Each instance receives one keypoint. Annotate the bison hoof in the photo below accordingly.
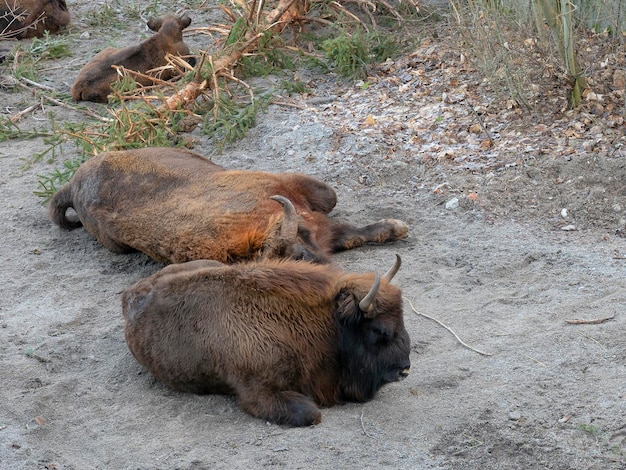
(399, 229)
(303, 413)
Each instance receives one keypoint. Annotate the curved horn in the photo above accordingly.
(366, 303)
(289, 227)
(393, 270)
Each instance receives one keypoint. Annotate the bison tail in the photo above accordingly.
(60, 203)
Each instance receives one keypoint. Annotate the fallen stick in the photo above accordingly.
(365, 433)
(447, 328)
(589, 322)
(37, 85)
(58, 102)
(18, 116)
(73, 108)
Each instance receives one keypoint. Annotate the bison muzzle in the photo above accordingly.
(284, 336)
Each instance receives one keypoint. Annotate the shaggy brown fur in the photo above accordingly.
(30, 18)
(284, 336)
(177, 206)
(94, 80)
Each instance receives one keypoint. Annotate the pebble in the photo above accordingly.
(564, 213)
(515, 415)
(452, 203)
(568, 228)
(85, 35)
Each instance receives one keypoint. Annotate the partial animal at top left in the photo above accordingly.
(95, 78)
(23, 19)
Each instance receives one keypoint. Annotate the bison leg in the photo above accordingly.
(346, 236)
(286, 407)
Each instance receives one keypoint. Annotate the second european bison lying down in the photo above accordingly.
(94, 80)
(176, 206)
(23, 19)
(283, 336)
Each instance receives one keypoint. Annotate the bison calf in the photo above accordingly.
(176, 206)
(94, 80)
(284, 336)
(30, 18)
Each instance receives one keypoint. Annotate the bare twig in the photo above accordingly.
(589, 322)
(287, 104)
(37, 85)
(88, 112)
(592, 339)
(447, 328)
(365, 433)
(18, 116)
(534, 360)
(122, 71)
(17, 22)
(482, 124)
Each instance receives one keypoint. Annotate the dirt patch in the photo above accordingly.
(487, 255)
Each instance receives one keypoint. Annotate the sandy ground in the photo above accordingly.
(503, 276)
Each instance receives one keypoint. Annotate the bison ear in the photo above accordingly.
(155, 24)
(184, 21)
(348, 311)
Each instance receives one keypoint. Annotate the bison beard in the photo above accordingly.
(284, 336)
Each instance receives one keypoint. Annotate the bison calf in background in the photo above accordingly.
(94, 80)
(283, 336)
(30, 18)
(176, 206)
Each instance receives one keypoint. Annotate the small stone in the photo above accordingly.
(85, 35)
(515, 415)
(564, 213)
(452, 203)
(568, 228)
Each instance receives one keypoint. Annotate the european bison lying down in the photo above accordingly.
(94, 80)
(284, 336)
(30, 18)
(176, 206)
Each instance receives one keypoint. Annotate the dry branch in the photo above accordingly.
(447, 328)
(193, 90)
(18, 116)
(589, 322)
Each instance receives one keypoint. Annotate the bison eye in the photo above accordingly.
(380, 335)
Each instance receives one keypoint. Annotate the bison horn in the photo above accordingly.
(393, 270)
(366, 303)
(289, 227)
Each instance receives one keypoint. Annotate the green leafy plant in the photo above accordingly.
(50, 183)
(228, 121)
(348, 53)
(294, 86)
(351, 53)
(26, 58)
(105, 15)
(589, 429)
